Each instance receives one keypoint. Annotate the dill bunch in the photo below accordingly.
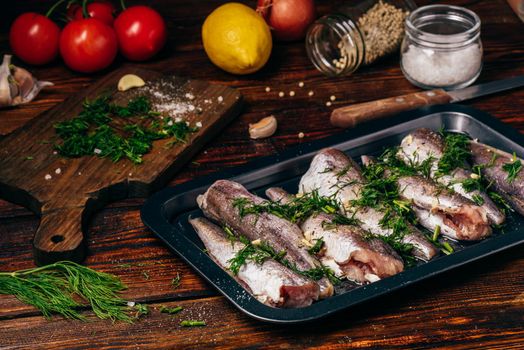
(64, 287)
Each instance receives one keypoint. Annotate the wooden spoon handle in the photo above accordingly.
(350, 116)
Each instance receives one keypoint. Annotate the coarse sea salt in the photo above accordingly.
(439, 68)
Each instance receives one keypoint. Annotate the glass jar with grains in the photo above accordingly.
(442, 47)
(359, 33)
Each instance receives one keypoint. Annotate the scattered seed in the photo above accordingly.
(328, 103)
(191, 107)
(47, 177)
(220, 99)
(333, 98)
(301, 135)
(281, 94)
(58, 171)
(190, 96)
(310, 93)
(97, 151)
(198, 124)
(268, 89)
(301, 84)
(292, 93)
(130, 303)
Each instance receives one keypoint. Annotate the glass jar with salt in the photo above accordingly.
(442, 47)
(360, 33)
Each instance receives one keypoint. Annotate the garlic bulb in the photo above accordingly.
(17, 85)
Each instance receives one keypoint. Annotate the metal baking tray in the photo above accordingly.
(166, 212)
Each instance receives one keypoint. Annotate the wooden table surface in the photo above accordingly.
(477, 306)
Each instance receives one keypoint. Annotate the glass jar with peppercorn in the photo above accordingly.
(358, 34)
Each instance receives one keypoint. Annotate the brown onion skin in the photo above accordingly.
(288, 19)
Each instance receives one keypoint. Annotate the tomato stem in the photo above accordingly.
(123, 4)
(50, 11)
(84, 9)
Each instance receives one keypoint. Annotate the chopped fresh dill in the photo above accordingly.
(175, 282)
(141, 310)
(436, 233)
(317, 247)
(262, 251)
(456, 153)
(477, 199)
(512, 168)
(106, 130)
(192, 323)
(299, 208)
(500, 201)
(170, 310)
(230, 234)
(446, 248)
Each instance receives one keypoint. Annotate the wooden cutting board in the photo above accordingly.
(83, 185)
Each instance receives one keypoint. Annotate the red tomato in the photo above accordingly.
(88, 45)
(102, 11)
(141, 32)
(34, 38)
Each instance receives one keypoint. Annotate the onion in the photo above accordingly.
(288, 19)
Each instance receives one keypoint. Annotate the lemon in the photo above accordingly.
(236, 39)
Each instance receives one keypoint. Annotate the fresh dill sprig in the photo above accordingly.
(56, 288)
(92, 131)
(512, 168)
(456, 153)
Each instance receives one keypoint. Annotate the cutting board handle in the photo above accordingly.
(59, 236)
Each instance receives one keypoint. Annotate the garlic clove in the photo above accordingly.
(17, 85)
(265, 127)
(5, 89)
(130, 81)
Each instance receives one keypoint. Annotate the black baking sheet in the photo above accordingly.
(166, 212)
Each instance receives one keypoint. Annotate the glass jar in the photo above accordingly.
(442, 47)
(359, 33)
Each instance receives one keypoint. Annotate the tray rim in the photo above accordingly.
(154, 216)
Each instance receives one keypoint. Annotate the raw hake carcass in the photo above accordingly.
(492, 161)
(270, 282)
(424, 145)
